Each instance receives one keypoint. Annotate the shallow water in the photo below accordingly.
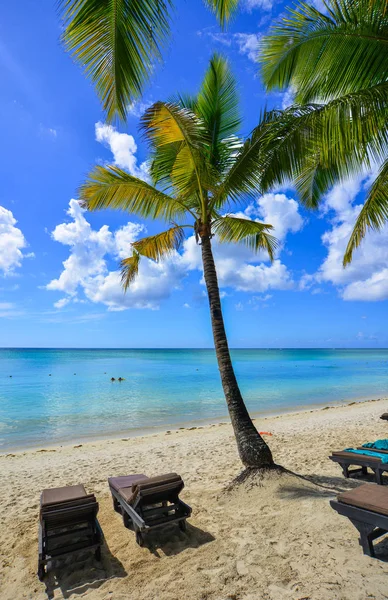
(55, 396)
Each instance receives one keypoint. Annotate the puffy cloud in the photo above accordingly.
(248, 44)
(138, 108)
(237, 266)
(263, 4)
(12, 242)
(123, 148)
(366, 278)
(86, 270)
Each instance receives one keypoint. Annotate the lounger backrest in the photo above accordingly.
(73, 511)
(158, 489)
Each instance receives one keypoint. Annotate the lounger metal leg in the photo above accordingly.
(345, 470)
(41, 567)
(365, 530)
(116, 505)
(378, 477)
(364, 470)
(126, 519)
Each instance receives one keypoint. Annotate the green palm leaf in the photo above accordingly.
(326, 56)
(111, 187)
(166, 124)
(217, 104)
(254, 234)
(317, 145)
(162, 244)
(246, 172)
(373, 215)
(223, 9)
(116, 42)
(129, 269)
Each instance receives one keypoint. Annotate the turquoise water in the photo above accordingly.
(165, 388)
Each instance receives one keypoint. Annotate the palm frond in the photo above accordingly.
(217, 105)
(315, 145)
(162, 244)
(223, 9)
(129, 269)
(245, 175)
(166, 124)
(111, 187)
(373, 215)
(325, 56)
(116, 42)
(254, 234)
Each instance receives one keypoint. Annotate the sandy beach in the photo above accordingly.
(272, 540)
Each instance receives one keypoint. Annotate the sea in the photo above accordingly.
(57, 396)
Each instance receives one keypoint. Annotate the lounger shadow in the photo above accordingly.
(83, 575)
(147, 503)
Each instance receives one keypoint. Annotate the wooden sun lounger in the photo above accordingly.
(149, 502)
(347, 459)
(367, 508)
(67, 524)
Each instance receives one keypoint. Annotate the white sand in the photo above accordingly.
(272, 541)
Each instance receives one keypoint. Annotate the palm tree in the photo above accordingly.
(337, 64)
(199, 168)
(117, 43)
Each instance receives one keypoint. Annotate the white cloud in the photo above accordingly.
(138, 108)
(263, 4)
(123, 148)
(241, 269)
(12, 242)
(248, 44)
(86, 270)
(288, 97)
(366, 278)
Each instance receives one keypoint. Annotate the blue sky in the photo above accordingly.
(59, 281)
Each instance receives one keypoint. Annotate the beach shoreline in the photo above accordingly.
(182, 425)
(275, 540)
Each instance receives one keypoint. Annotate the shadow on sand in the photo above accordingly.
(171, 541)
(77, 574)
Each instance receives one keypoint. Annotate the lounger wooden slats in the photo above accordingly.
(146, 503)
(68, 524)
(367, 509)
(363, 462)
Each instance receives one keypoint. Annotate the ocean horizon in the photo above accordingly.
(50, 396)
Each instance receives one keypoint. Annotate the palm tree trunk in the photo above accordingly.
(253, 450)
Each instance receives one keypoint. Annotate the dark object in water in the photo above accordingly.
(112, 379)
(384, 416)
(49, 374)
(121, 379)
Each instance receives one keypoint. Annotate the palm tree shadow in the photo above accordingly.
(82, 572)
(171, 541)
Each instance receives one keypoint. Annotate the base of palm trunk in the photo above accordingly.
(253, 450)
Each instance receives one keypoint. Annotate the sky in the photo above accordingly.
(59, 265)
